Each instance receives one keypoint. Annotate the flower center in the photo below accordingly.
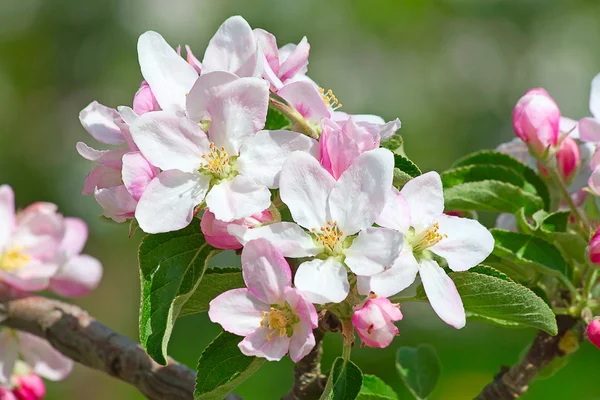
(426, 238)
(329, 236)
(330, 99)
(13, 259)
(218, 162)
(278, 321)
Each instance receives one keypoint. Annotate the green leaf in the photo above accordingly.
(395, 144)
(171, 267)
(556, 222)
(216, 280)
(373, 388)
(419, 368)
(400, 178)
(490, 271)
(344, 382)
(501, 302)
(488, 157)
(276, 120)
(407, 166)
(477, 173)
(528, 252)
(222, 367)
(554, 229)
(493, 196)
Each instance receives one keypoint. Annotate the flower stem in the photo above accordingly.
(584, 224)
(295, 116)
(348, 336)
(591, 278)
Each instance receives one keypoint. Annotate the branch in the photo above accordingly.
(80, 337)
(514, 382)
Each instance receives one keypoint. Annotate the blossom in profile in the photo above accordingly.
(274, 318)
(374, 321)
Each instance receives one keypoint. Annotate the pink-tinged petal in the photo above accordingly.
(137, 173)
(594, 159)
(442, 294)
(169, 75)
(322, 281)
(304, 187)
(43, 358)
(589, 130)
(9, 348)
(144, 100)
(169, 200)
(374, 322)
(101, 177)
(169, 141)
(6, 394)
(216, 233)
(594, 181)
(360, 194)
(396, 212)
(303, 308)
(32, 277)
(595, 97)
(374, 250)
(79, 276)
(111, 158)
(237, 198)
(237, 311)
(268, 44)
(7, 214)
(425, 199)
(306, 99)
(99, 121)
(116, 202)
(128, 116)
(536, 120)
(262, 155)
(272, 347)
(233, 48)
(204, 90)
(238, 111)
(394, 280)
(377, 127)
(296, 62)
(466, 242)
(266, 273)
(288, 237)
(302, 341)
(271, 77)
(570, 126)
(39, 231)
(76, 234)
(192, 60)
(337, 150)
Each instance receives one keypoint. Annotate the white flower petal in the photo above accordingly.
(425, 198)
(263, 343)
(570, 126)
(7, 214)
(237, 198)
(169, 141)
(99, 121)
(396, 212)
(169, 200)
(9, 349)
(262, 155)
(467, 243)
(288, 237)
(360, 194)
(44, 359)
(304, 186)
(374, 250)
(589, 130)
(394, 280)
(322, 281)
(442, 294)
(204, 90)
(595, 97)
(170, 77)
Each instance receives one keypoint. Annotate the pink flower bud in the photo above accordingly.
(144, 100)
(593, 332)
(568, 158)
(216, 234)
(6, 394)
(593, 248)
(374, 322)
(29, 387)
(536, 120)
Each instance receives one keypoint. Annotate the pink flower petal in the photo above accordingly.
(237, 311)
(116, 202)
(289, 238)
(257, 344)
(76, 234)
(266, 272)
(77, 277)
(137, 173)
(306, 99)
(7, 214)
(204, 90)
(43, 358)
(99, 121)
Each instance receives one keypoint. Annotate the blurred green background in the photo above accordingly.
(451, 70)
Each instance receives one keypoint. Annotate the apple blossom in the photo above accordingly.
(29, 387)
(285, 64)
(274, 317)
(374, 321)
(37, 353)
(418, 212)
(536, 120)
(232, 168)
(593, 332)
(332, 212)
(216, 233)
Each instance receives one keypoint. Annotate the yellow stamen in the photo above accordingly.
(13, 259)
(330, 99)
(217, 161)
(329, 236)
(275, 320)
(427, 238)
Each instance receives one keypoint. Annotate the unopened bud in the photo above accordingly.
(29, 387)
(216, 233)
(536, 120)
(593, 248)
(593, 332)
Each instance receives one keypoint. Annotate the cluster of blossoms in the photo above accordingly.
(39, 250)
(194, 144)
